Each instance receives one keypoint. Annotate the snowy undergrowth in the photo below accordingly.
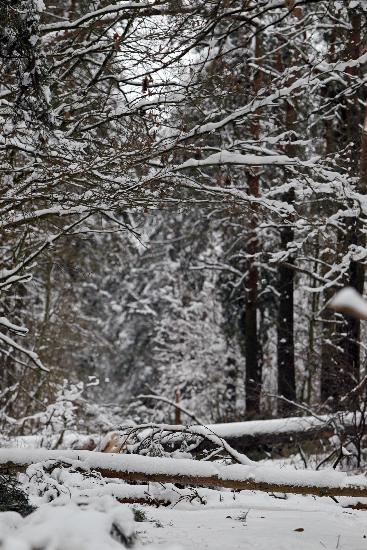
(67, 516)
(77, 509)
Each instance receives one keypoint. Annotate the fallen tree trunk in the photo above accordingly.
(194, 473)
(233, 437)
(248, 436)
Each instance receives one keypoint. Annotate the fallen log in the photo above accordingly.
(234, 437)
(248, 436)
(135, 468)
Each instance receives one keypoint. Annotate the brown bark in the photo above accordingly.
(177, 410)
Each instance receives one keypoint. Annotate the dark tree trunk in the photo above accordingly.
(285, 325)
(286, 371)
(351, 371)
(231, 390)
(342, 371)
(285, 346)
(253, 367)
(332, 359)
(330, 353)
(351, 374)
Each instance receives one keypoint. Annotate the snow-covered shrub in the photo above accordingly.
(74, 512)
(59, 416)
(73, 419)
(101, 524)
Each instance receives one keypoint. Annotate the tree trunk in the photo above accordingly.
(354, 228)
(285, 346)
(152, 470)
(230, 393)
(285, 326)
(253, 368)
(286, 371)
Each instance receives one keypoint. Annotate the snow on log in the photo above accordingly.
(244, 436)
(241, 436)
(192, 472)
(349, 301)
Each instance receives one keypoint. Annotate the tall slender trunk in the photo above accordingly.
(341, 369)
(286, 277)
(285, 344)
(351, 375)
(312, 358)
(253, 366)
(351, 371)
(332, 356)
(286, 370)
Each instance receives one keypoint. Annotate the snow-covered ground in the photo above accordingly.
(257, 521)
(78, 509)
(246, 520)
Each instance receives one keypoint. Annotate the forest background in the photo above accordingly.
(183, 189)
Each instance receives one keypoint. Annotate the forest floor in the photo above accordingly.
(256, 521)
(78, 513)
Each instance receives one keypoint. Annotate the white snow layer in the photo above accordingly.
(348, 300)
(277, 425)
(68, 527)
(256, 521)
